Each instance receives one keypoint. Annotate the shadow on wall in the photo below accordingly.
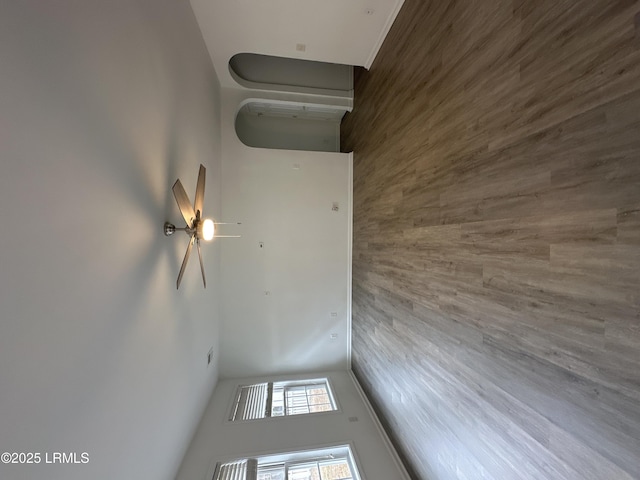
(291, 74)
(289, 125)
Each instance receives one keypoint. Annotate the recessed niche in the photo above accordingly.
(289, 125)
(291, 74)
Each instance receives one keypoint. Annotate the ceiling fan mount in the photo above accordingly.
(169, 228)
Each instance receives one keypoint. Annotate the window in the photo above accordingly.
(337, 469)
(280, 399)
(326, 464)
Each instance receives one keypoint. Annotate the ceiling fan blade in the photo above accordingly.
(183, 203)
(204, 280)
(199, 201)
(186, 259)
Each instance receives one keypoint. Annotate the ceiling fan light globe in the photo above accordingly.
(208, 229)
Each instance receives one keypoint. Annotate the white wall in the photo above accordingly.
(334, 31)
(102, 106)
(217, 439)
(283, 198)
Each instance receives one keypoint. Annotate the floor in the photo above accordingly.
(496, 254)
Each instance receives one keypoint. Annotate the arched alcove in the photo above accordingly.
(289, 125)
(291, 74)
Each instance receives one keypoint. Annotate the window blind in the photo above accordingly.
(240, 470)
(253, 402)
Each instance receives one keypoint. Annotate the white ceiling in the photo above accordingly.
(337, 31)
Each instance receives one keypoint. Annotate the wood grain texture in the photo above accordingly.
(496, 252)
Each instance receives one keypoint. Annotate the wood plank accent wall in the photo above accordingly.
(496, 258)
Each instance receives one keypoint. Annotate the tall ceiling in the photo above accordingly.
(330, 30)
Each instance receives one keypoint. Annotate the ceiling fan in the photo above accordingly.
(198, 228)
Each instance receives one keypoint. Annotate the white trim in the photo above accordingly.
(330, 106)
(349, 254)
(383, 434)
(383, 34)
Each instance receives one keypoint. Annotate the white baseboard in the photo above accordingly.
(383, 34)
(349, 256)
(381, 430)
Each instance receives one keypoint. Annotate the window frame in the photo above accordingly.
(320, 381)
(287, 460)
